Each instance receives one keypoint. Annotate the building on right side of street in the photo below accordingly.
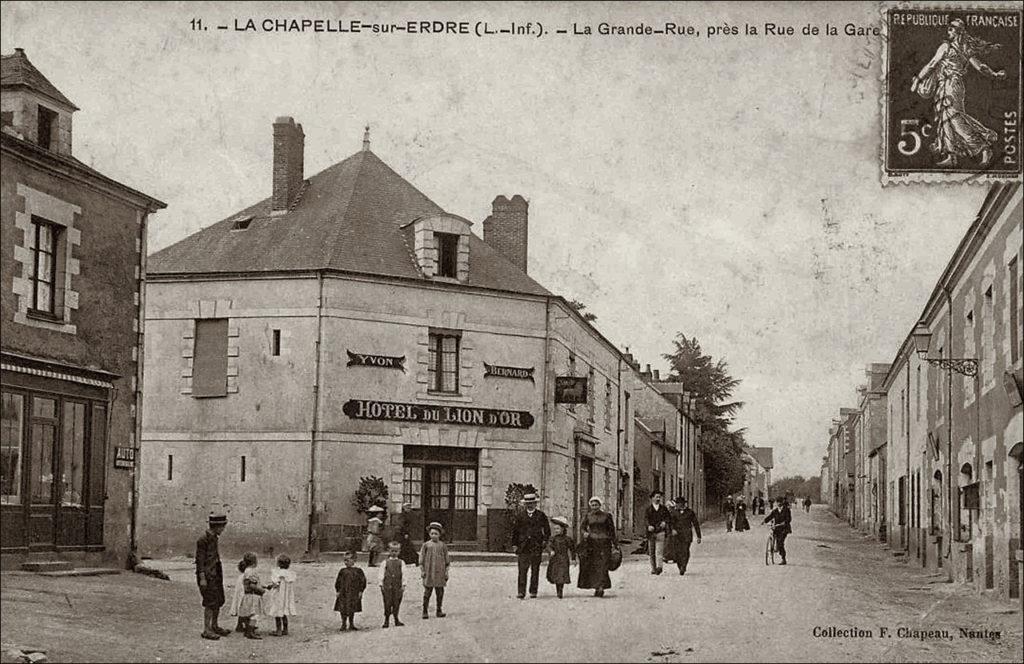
(944, 472)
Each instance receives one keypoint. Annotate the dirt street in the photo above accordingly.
(728, 607)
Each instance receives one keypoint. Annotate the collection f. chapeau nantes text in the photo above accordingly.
(530, 28)
(915, 633)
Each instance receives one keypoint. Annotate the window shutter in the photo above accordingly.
(210, 359)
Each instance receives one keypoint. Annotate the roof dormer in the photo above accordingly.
(440, 243)
(33, 108)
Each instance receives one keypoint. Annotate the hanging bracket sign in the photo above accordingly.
(364, 409)
(570, 389)
(522, 373)
(383, 361)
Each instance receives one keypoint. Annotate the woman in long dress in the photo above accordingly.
(741, 516)
(596, 548)
(957, 134)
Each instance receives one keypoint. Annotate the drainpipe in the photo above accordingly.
(544, 400)
(313, 540)
(949, 430)
(906, 435)
(618, 444)
(140, 345)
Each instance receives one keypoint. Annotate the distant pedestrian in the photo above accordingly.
(658, 519)
(781, 520)
(251, 605)
(210, 576)
(391, 579)
(280, 600)
(741, 516)
(434, 564)
(759, 505)
(374, 527)
(729, 509)
(349, 587)
(530, 536)
(807, 504)
(595, 550)
(684, 525)
(403, 532)
(563, 552)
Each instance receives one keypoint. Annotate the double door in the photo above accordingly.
(441, 484)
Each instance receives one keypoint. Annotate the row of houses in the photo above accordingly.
(928, 459)
(344, 327)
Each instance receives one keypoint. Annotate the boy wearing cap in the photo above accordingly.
(210, 577)
(529, 538)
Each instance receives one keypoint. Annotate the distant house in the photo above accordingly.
(73, 247)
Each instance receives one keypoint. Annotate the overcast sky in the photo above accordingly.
(725, 188)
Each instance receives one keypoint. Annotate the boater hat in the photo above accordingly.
(434, 525)
(218, 520)
(375, 508)
(560, 520)
(530, 498)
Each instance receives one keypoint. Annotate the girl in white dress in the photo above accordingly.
(280, 599)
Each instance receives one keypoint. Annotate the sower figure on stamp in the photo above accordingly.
(210, 577)
(530, 538)
(957, 134)
(684, 525)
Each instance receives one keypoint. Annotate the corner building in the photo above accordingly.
(347, 326)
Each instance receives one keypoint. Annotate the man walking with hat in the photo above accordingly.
(529, 538)
(658, 519)
(210, 577)
(684, 525)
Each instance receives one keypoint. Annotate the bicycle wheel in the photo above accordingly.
(769, 550)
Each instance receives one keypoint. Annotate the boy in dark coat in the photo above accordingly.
(349, 585)
(210, 577)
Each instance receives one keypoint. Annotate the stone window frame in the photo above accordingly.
(427, 250)
(201, 309)
(455, 322)
(39, 204)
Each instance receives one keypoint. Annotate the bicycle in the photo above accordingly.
(769, 547)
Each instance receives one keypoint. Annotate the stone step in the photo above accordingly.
(46, 566)
(83, 571)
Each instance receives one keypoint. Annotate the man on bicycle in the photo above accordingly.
(780, 518)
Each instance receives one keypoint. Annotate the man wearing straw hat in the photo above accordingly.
(210, 577)
(529, 538)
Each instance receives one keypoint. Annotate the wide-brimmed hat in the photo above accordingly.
(680, 500)
(218, 520)
(375, 508)
(593, 498)
(530, 498)
(434, 525)
(560, 520)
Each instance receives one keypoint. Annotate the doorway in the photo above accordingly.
(441, 483)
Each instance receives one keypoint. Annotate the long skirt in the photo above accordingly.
(594, 554)
(408, 552)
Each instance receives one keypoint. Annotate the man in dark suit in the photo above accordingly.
(210, 577)
(530, 537)
(658, 519)
(684, 525)
(781, 519)
(729, 509)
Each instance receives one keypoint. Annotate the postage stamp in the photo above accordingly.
(951, 88)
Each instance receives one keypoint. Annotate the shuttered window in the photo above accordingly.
(210, 358)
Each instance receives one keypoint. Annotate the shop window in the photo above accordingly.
(447, 255)
(210, 358)
(45, 261)
(412, 485)
(440, 489)
(12, 427)
(72, 466)
(98, 456)
(443, 367)
(465, 488)
(44, 437)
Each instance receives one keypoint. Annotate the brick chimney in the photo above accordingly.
(289, 145)
(505, 230)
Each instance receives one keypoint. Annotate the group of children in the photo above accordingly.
(434, 565)
(252, 599)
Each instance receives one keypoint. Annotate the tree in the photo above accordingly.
(712, 387)
(798, 486)
(582, 309)
(372, 491)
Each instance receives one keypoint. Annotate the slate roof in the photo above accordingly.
(348, 217)
(763, 456)
(17, 71)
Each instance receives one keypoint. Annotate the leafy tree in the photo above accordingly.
(372, 491)
(798, 486)
(582, 309)
(712, 385)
